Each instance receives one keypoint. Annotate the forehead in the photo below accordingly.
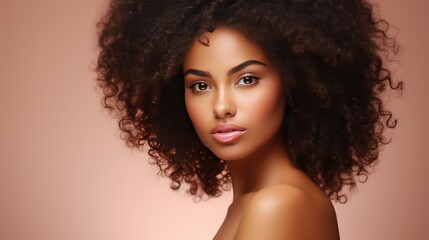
(227, 47)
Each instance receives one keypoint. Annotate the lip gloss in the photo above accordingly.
(227, 137)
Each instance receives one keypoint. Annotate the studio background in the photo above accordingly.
(66, 175)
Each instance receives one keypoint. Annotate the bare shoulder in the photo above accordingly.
(286, 211)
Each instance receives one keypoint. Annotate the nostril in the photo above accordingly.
(224, 111)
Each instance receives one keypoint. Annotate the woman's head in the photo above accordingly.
(234, 95)
(324, 57)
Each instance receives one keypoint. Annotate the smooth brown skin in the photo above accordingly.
(272, 199)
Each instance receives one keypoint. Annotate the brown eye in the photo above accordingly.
(247, 80)
(200, 86)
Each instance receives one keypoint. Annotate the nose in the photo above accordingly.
(224, 106)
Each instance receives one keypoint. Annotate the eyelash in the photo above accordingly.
(203, 84)
(196, 84)
(253, 78)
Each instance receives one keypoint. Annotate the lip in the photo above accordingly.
(227, 133)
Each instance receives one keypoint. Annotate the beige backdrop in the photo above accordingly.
(66, 175)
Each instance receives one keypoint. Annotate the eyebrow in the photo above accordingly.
(231, 71)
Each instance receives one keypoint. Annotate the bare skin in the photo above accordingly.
(284, 204)
(232, 83)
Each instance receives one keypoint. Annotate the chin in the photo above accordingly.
(230, 154)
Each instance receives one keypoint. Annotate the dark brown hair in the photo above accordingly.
(330, 53)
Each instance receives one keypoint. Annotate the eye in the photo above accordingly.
(199, 87)
(247, 80)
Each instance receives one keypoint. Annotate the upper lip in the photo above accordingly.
(227, 127)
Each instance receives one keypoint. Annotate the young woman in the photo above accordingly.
(280, 98)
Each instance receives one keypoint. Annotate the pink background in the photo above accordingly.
(65, 174)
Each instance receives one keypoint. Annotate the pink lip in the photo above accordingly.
(226, 133)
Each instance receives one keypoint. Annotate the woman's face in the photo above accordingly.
(233, 94)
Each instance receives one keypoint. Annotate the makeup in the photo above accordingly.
(233, 95)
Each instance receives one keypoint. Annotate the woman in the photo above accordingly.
(280, 98)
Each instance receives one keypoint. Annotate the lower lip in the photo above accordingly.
(227, 137)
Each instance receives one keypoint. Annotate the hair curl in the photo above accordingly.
(331, 53)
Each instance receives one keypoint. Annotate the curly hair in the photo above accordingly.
(333, 53)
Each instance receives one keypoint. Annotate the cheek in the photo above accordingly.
(266, 107)
(196, 111)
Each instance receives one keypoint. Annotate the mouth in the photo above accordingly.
(227, 133)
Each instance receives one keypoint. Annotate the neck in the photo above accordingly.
(260, 170)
